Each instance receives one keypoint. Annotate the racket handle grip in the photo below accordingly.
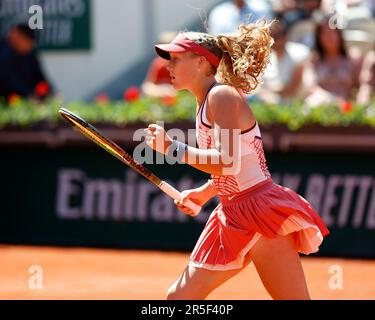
(176, 195)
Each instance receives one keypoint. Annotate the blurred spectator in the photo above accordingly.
(367, 79)
(293, 11)
(351, 15)
(348, 9)
(371, 5)
(227, 16)
(20, 71)
(158, 82)
(283, 77)
(333, 74)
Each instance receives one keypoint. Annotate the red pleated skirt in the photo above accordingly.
(266, 209)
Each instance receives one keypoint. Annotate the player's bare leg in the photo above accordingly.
(279, 267)
(198, 283)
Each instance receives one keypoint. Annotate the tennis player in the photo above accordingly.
(257, 220)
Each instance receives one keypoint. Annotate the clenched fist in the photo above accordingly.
(157, 138)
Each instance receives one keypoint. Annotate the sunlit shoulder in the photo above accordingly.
(222, 97)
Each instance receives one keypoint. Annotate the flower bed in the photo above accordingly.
(23, 113)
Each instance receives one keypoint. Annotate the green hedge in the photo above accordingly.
(21, 113)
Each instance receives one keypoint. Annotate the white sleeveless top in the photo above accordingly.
(253, 163)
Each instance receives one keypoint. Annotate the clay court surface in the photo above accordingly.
(82, 273)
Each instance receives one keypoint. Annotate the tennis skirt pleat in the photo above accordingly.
(266, 209)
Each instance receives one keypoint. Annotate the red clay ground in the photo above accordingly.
(81, 273)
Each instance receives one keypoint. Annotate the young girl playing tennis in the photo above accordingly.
(257, 220)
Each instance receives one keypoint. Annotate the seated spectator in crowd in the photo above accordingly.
(366, 90)
(227, 16)
(333, 74)
(293, 11)
(158, 82)
(283, 77)
(20, 71)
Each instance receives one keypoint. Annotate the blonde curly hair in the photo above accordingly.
(244, 54)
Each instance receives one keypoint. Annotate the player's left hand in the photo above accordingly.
(157, 138)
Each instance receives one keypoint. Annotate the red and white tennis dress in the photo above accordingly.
(251, 206)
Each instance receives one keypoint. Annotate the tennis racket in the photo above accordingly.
(95, 135)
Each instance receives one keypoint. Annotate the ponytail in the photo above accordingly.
(245, 55)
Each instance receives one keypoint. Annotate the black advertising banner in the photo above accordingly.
(84, 196)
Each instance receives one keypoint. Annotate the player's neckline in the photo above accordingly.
(205, 96)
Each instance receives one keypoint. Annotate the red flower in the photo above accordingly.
(169, 100)
(345, 106)
(41, 89)
(102, 99)
(131, 94)
(14, 99)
